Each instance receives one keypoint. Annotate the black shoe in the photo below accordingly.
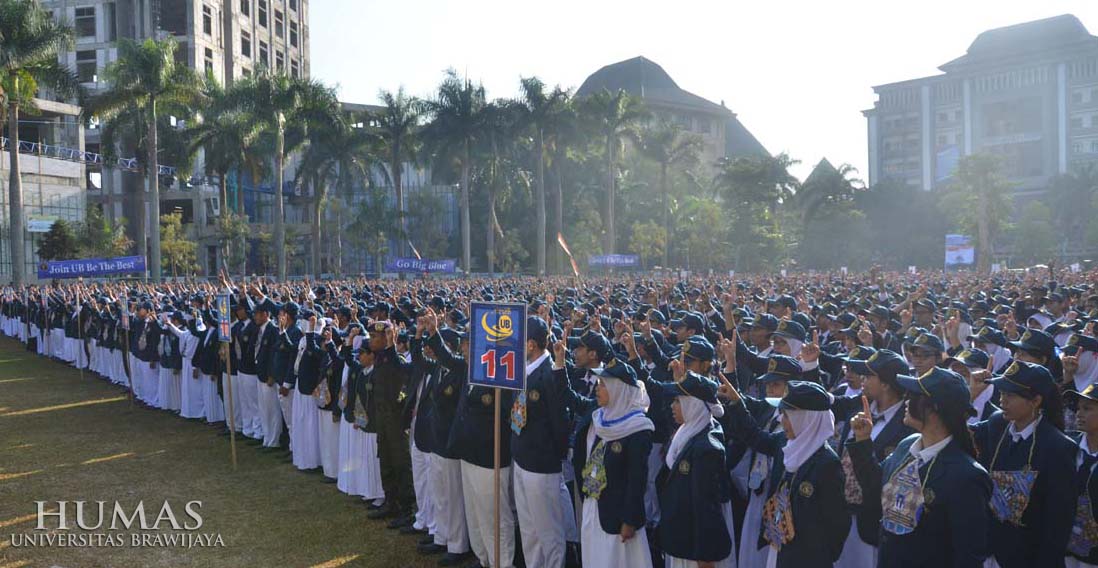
(383, 512)
(400, 522)
(431, 548)
(451, 559)
(426, 540)
(374, 506)
(411, 529)
(330, 480)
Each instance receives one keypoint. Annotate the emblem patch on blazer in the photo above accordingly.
(448, 391)
(486, 399)
(535, 396)
(928, 495)
(684, 467)
(806, 489)
(615, 447)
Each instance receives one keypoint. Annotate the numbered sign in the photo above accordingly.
(223, 326)
(497, 345)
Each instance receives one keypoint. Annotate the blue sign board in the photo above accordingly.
(90, 267)
(421, 265)
(223, 325)
(614, 260)
(497, 345)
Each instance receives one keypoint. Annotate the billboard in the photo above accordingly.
(959, 251)
(614, 260)
(91, 267)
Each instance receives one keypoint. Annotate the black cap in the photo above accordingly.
(972, 358)
(791, 329)
(698, 347)
(1025, 379)
(782, 368)
(765, 321)
(887, 365)
(1089, 393)
(536, 329)
(1035, 341)
(617, 370)
(695, 385)
(944, 387)
(803, 395)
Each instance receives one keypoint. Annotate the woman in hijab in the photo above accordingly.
(612, 455)
(694, 486)
(1080, 362)
(1032, 467)
(804, 519)
(1083, 545)
(934, 511)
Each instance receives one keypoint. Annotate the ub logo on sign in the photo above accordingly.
(502, 329)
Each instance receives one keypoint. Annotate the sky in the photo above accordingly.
(797, 73)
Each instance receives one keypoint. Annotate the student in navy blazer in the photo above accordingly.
(1083, 545)
(951, 526)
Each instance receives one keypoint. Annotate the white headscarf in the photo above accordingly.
(999, 355)
(794, 347)
(625, 413)
(812, 429)
(696, 416)
(1087, 373)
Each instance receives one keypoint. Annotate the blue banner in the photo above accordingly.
(497, 345)
(224, 328)
(421, 265)
(90, 267)
(614, 260)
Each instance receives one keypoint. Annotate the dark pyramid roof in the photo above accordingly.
(1057, 32)
(644, 78)
(822, 168)
(738, 141)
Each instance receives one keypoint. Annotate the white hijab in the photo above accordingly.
(696, 415)
(999, 355)
(1087, 373)
(794, 347)
(812, 428)
(625, 413)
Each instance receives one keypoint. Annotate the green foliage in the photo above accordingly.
(99, 238)
(59, 243)
(979, 202)
(649, 241)
(30, 41)
(425, 213)
(1035, 235)
(375, 222)
(510, 253)
(177, 249)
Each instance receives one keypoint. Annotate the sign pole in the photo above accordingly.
(229, 389)
(495, 485)
(126, 358)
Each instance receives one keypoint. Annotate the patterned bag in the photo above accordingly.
(902, 500)
(594, 474)
(518, 413)
(852, 490)
(778, 518)
(760, 470)
(1011, 493)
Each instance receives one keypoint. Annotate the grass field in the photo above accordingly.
(67, 438)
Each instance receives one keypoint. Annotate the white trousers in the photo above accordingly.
(1070, 562)
(543, 513)
(478, 491)
(304, 437)
(238, 420)
(421, 480)
(270, 414)
(856, 553)
(246, 397)
(215, 412)
(329, 443)
(449, 505)
(651, 499)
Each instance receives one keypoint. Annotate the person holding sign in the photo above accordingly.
(1032, 466)
(934, 511)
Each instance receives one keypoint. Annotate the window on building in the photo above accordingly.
(246, 7)
(245, 43)
(1093, 95)
(262, 13)
(1077, 122)
(1076, 148)
(244, 71)
(207, 20)
(112, 21)
(293, 5)
(1094, 146)
(280, 62)
(86, 66)
(293, 34)
(280, 24)
(209, 59)
(942, 140)
(85, 22)
(295, 71)
(1076, 97)
(264, 54)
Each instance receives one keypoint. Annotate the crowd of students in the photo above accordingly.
(878, 419)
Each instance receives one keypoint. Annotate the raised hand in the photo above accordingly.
(862, 425)
(678, 370)
(726, 391)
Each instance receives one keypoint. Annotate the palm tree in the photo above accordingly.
(615, 115)
(283, 107)
(30, 41)
(538, 109)
(499, 121)
(826, 184)
(563, 136)
(397, 125)
(342, 150)
(666, 144)
(456, 116)
(144, 76)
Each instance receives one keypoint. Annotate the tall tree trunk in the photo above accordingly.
(490, 238)
(339, 241)
(541, 202)
(983, 232)
(466, 244)
(609, 195)
(279, 219)
(243, 240)
(559, 228)
(398, 178)
(318, 191)
(15, 193)
(223, 219)
(154, 193)
(666, 215)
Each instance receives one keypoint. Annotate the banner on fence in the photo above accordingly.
(614, 260)
(421, 265)
(91, 267)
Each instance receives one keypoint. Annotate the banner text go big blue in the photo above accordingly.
(497, 345)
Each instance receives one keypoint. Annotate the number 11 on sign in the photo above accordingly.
(507, 361)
